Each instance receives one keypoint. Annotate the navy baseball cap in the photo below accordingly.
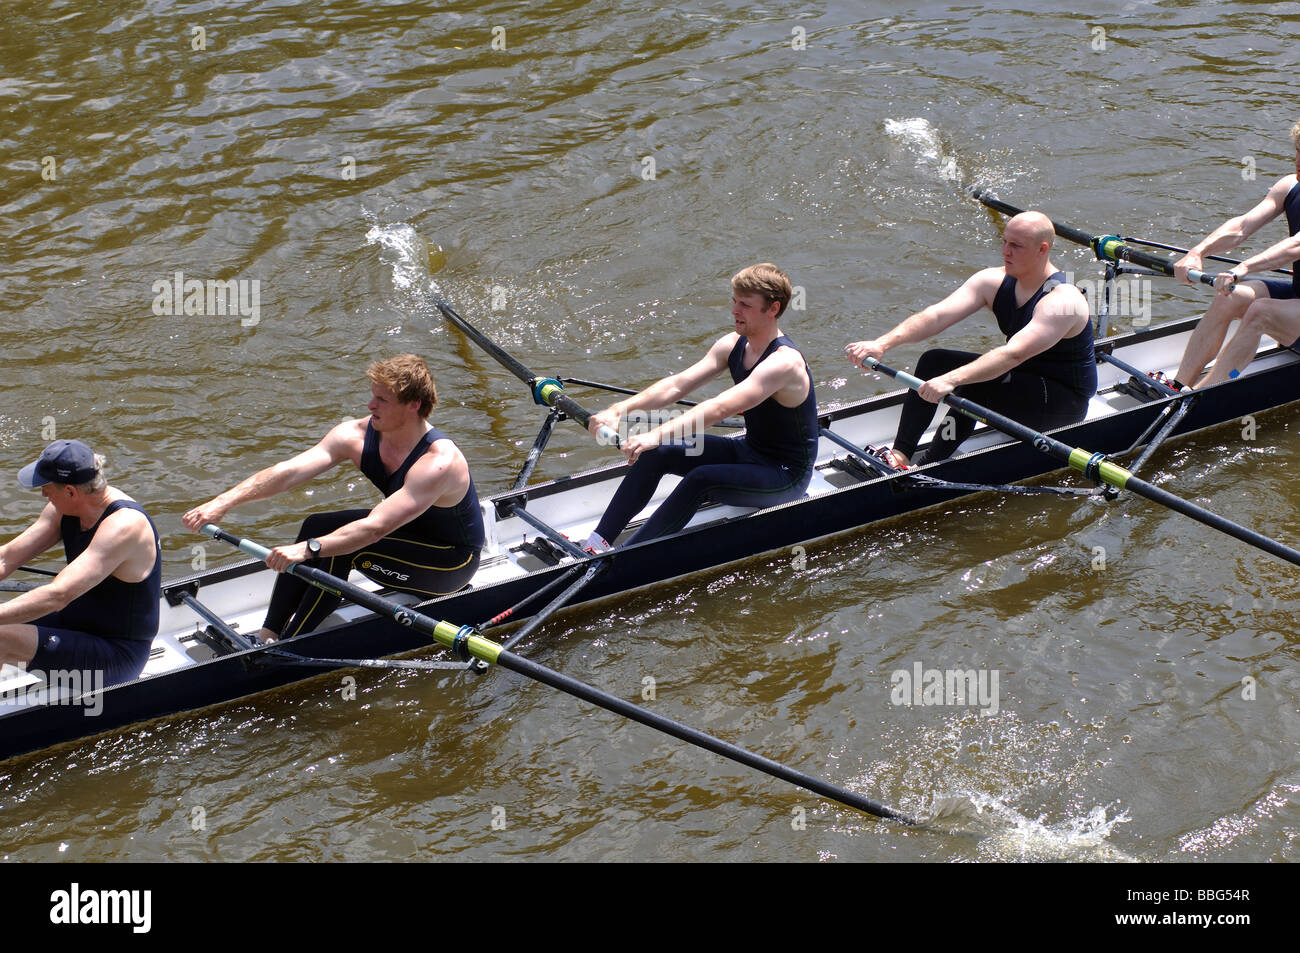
(64, 461)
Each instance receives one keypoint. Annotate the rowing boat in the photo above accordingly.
(201, 657)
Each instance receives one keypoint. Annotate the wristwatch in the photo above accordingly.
(313, 547)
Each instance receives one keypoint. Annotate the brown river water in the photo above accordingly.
(600, 170)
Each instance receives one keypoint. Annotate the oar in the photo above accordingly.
(547, 391)
(466, 643)
(1096, 467)
(1105, 247)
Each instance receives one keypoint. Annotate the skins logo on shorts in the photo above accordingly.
(390, 573)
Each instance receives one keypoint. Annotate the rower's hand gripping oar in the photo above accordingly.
(467, 643)
(1105, 247)
(1096, 467)
(547, 391)
(460, 639)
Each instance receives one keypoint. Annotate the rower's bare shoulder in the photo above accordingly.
(787, 361)
(442, 457)
(986, 282)
(1065, 290)
(1065, 299)
(1276, 197)
(125, 525)
(346, 439)
(353, 429)
(725, 343)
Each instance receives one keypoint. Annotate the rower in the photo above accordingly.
(424, 537)
(1263, 305)
(1044, 374)
(771, 463)
(100, 613)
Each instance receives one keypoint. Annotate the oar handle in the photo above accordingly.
(245, 546)
(901, 376)
(554, 396)
(1114, 248)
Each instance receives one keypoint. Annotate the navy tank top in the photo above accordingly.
(787, 435)
(1292, 207)
(113, 609)
(460, 524)
(1071, 361)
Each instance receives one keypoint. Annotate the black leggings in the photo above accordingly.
(399, 562)
(1037, 402)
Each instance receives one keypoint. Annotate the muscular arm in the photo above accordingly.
(32, 541)
(669, 390)
(440, 477)
(1059, 314)
(117, 541)
(782, 371)
(975, 293)
(1236, 230)
(1284, 253)
(341, 443)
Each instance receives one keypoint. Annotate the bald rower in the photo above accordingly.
(1043, 376)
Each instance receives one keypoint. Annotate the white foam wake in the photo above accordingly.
(406, 251)
(1014, 837)
(918, 136)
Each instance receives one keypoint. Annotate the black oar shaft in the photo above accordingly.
(463, 639)
(1093, 466)
(546, 390)
(1105, 246)
(498, 353)
(1065, 231)
(735, 753)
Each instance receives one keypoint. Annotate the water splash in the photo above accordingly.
(1013, 836)
(986, 778)
(918, 136)
(407, 251)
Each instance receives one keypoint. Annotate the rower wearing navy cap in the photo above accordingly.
(100, 613)
(1263, 305)
(424, 537)
(1043, 376)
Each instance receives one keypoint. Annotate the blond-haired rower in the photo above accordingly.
(424, 537)
(770, 463)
